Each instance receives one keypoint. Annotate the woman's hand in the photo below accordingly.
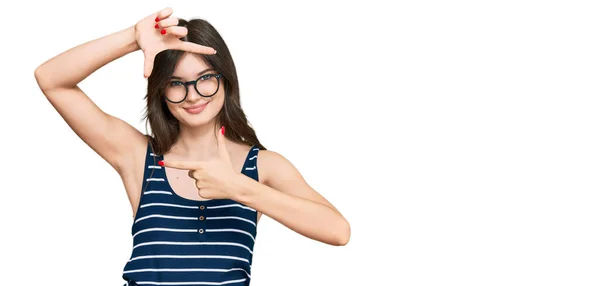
(216, 178)
(159, 32)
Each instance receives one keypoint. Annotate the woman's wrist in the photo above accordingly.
(132, 42)
(243, 188)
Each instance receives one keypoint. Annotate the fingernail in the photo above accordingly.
(223, 130)
(156, 26)
(161, 163)
(156, 20)
(215, 51)
(163, 31)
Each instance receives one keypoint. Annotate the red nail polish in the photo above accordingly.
(156, 20)
(161, 163)
(156, 26)
(223, 130)
(163, 31)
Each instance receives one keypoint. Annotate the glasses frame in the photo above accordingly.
(218, 76)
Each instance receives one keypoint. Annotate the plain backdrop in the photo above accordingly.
(459, 138)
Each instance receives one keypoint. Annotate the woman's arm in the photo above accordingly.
(110, 137)
(69, 68)
(113, 139)
(288, 199)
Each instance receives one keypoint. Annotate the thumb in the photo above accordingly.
(148, 65)
(223, 153)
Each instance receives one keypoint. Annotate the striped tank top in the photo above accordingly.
(179, 241)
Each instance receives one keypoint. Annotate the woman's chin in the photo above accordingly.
(195, 121)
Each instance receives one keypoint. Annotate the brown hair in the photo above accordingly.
(165, 127)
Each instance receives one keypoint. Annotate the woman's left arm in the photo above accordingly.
(288, 199)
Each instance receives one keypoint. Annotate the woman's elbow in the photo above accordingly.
(342, 236)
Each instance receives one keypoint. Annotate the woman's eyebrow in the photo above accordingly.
(208, 69)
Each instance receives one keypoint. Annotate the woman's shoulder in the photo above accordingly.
(274, 165)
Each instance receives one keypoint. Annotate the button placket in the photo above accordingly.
(201, 220)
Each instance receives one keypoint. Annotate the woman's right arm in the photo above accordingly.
(114, 140)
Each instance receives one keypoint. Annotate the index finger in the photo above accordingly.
(181, 165)
(195, 48)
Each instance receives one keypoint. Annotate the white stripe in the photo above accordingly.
(167, 216)
(230, 206)
(233, 217)
(168, 205)
(254, 157)
(186, 270)
(251, 168)
(194, 243)
(256, 149)
(153, 155)
(165, 229)
(191, 256)
(157, 192)
(155, 179)
(230, 230)
(154, 167)
(190, 283)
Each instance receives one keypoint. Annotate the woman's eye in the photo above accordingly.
(206, 77)
(175, 83)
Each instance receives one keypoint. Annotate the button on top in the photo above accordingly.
(201, 208)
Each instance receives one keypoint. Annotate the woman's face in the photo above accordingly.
(195, 110)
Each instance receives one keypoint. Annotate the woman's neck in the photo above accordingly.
(198, 143)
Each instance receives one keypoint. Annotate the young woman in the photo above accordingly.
(200, 181)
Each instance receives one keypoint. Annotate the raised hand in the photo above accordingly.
(215, 178)
(158, 32)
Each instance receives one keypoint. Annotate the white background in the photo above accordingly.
(460, 139)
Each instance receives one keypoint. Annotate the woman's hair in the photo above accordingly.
(165, 127)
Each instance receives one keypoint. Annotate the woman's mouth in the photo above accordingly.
(196, 108)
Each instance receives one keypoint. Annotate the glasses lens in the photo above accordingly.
(207, 85)
(175, 91)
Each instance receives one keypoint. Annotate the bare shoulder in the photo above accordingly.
(272, 166)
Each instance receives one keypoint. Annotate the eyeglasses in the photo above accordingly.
(206, 85)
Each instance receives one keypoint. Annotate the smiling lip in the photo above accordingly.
(196, 109)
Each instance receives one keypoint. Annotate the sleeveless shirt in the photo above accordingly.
(179, 241)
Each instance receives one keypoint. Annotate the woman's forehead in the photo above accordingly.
(190, 65)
